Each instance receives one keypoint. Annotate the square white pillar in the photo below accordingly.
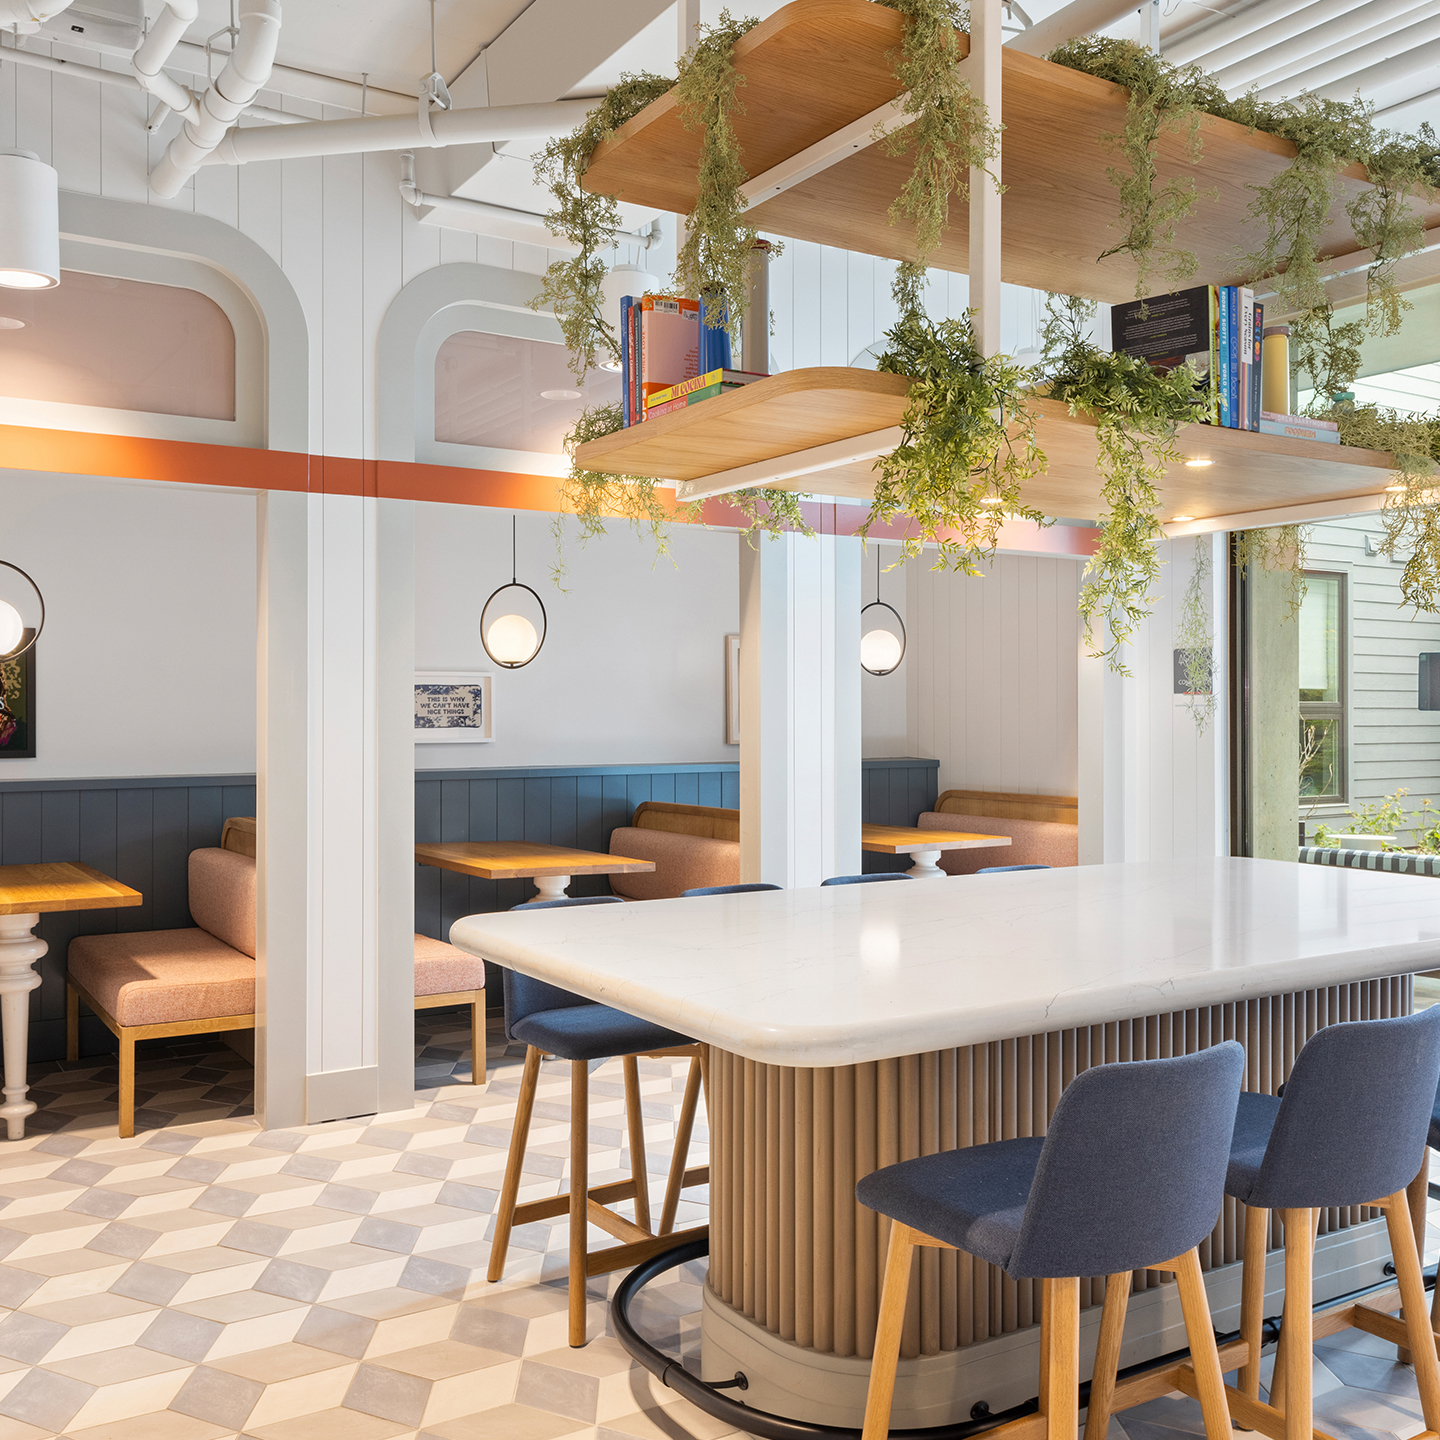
(799, 709)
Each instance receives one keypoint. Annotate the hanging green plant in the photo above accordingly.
(571, 286)
(1195, 639)
(951, 132)
(968, 443)
(1136, 409)
(714, 262)
(1279, 549)
(1164, 99)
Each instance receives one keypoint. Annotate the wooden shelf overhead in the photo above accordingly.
(815, 74)
(818, 431)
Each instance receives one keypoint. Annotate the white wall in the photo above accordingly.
(633, 667)
(885, 732)
(147, 662)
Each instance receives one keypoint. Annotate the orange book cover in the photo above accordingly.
(669, 342)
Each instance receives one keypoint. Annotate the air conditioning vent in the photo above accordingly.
(115, 27)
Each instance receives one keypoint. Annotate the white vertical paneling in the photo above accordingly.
(859, 304)
(782, 309)
(260, 208)
(342, 274)
(33, 104)
(834, 311)
(217, 192)
(302, 254)
(805, 332)
(123, 142)
(383, 265)
(75, 125)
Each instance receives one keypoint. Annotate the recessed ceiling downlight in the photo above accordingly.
(29, 222)
(9, 322)
(1198, 464)
(559, 394)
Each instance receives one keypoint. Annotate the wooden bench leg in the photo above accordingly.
(127, 1083)
(886, 1357)
(579, 1195)
(1107, 1355)
(510, 1188)
(72, 1022)
(1252, 1296)
(477, 1039)
(1204, 1353)
(1412, 1292)
(635, 1121)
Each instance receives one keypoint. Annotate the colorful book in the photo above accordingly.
(1276, 419)
(1169, 330)
(1225, 345)
(669, 343)
(1299, 428)
(701, 382)
(626, 302)
(1246, 349)
(714, 339)
(1257, 328)
(691, 397)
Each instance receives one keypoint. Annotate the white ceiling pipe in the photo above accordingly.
(154, 50)
(1314, 16)
(308, 85)
(1395, 45)
(1301, 51)
(123, 80)
(1281, 64)
(1080, 17)
(401, 132)
(26, 15)
(1387, 71)
(244, 76)
(1198, 42)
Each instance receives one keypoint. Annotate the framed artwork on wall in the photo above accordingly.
(732, 689)
(453, 707)
(17, 706)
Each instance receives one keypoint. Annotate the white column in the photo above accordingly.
(985, 82)
(799, 709)
(336, 807)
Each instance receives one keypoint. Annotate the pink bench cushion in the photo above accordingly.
(441, 969)
(682, 862)
(1032, 842)
(159, 977)
(222, 897)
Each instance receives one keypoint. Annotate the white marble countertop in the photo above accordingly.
(842, 974)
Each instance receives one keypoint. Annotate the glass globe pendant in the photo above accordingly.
(510, 639)
(881, 649)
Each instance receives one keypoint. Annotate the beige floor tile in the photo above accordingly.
(510, 1422)
(303, 1395)
(109, 1334)
(457, 1396)
(157, 1425)
(130, 1398)
(279, 1362)
(405, 1332)
(19, 1430)
(337, 1424)
(673, 1421)
(603, 1356)
(77, 1280)
(110, 1367)
(444, 1358)
(177, 1231)
(28, 1196)
(259, 1332)
(221, 1279)
(241, 1305)
(386, 1304)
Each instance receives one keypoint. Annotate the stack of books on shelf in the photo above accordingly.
(1218, 329)
(1299, 427)
(670, 357)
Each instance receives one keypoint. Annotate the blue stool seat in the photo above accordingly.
(1006, 869)
(866, 879)
(727, 889)
(1433, 1138)
(592, 1032)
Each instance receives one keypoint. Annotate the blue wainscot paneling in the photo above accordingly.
(895, 792)
(141, 831)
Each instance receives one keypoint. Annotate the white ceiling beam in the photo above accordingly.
(1080, 17)
(1390, 48)
(1200, 41)
(1388, 67)
(1285, 515)
(870, 446)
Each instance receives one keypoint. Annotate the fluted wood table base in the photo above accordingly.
(795, 1262)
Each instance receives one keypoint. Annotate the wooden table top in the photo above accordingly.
(522, 859)
(39, 889)
(905, 839)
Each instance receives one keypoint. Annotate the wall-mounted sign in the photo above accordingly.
(453, 707)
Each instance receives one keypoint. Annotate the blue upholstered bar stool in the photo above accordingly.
(1351, 1129)
(728, 889)
(552, 1021)
(1006, 869)
(1129, 1176)
(866, 879)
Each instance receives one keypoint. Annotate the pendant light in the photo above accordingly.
(881, 650)
(29, 222)
(16, 637)
(510, 639)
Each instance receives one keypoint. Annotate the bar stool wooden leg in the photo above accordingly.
(1107, 1355)
(683, 1128)
(510, 1189)
(1412, 1296)
(477, 1039)
(580, 1195)
(72, 1023)
(635, 1120)
(1252, 1296)
(1298, 1338)
(1204, 1356)
(1063, 1363)
(887, 1333)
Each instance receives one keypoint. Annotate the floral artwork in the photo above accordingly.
(17, 707)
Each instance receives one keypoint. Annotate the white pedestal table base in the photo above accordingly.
(925, 866)
(551, 887)
(19, 950)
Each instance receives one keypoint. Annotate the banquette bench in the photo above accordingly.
(691, 845)
(1043, 829)
(148, 983)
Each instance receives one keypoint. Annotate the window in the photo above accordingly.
(1322, 689)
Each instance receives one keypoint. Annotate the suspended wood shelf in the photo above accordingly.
(817, 66)
(801, 410)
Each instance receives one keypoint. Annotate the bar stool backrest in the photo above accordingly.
(524, 994)
(879, 878)
(727, 889)
(1133, 1167)
(1354, 1117)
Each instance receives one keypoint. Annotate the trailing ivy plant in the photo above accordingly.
(1279, 549)
(1195, 639)
(968, 442)
(1136, 409)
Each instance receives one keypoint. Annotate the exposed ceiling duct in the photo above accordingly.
(27, 16)
(244, 76)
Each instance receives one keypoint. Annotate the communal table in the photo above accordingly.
(549, 866)
(924, 847)
(854, 1026)
(26, 893)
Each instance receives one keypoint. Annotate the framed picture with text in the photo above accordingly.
(452, 707)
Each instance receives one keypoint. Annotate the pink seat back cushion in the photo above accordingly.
(222, 897)
(1032, 842)
(682, 862)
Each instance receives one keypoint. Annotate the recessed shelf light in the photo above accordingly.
(1394, 489)
(1180, 519)
(9, 322)
(1198, 464)
(991, 500)
(559, 394)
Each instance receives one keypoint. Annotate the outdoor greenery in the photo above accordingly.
(1390, 817)
(1137, 409)
(1195, 639)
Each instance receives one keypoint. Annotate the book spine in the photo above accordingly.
(1247, 350)
(1222, 357)
(1299, 432)
(626, 303)
(1257, 328)
(654, 412)
(1214, 333)
(674, 392)
(1234, 357)
(637, 410)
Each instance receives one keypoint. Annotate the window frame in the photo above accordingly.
(1337, 710)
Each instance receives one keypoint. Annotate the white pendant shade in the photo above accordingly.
(511, 640)
(12, 628)
(624, 280)
(880, 651)
(29, 222)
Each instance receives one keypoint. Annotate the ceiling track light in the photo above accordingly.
(29, 222)
(511, 640)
